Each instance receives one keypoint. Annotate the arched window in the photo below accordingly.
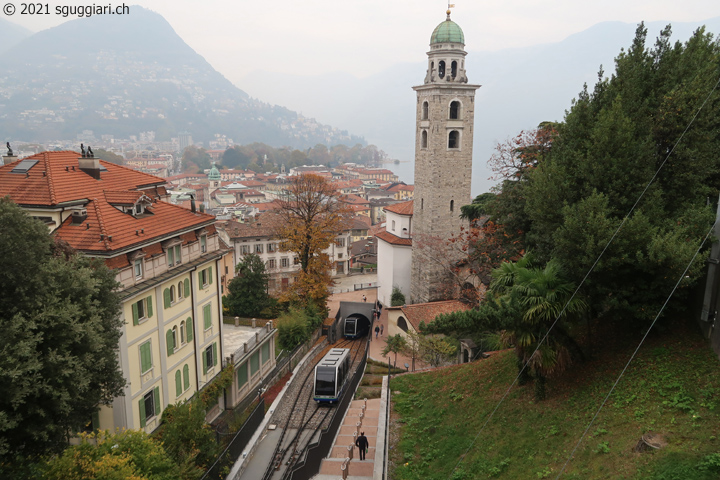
(402, 324)
(180, 290)
(452, 205)
(454, 139)
(423, 139)
(441, 69)
(172, 294)
(454, 110)
(182, 333)
(425, 108)
(453, 69)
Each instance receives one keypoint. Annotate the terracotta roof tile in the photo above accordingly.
(394, 240)
(120, 261)
(154, 249)
(404, 208)
(426, 312)
(57, 178)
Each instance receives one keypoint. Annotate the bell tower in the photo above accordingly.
(445, 117)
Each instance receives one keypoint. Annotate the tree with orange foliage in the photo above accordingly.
(516, 156)
(312, 217)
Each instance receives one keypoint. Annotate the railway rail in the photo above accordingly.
(304, 419)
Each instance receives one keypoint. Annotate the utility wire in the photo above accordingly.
(592, 268)
(692, 260)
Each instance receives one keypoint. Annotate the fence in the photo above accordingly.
(363, 286)
(222, 465)
(319, 450)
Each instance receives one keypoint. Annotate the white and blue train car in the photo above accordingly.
(355, 327)
(332, 374)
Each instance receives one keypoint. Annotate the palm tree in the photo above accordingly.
(546, 301)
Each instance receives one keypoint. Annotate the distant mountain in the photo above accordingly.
(11, 34)
(126, 77)
(520, 88)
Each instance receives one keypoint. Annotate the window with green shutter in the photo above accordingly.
(187, 287)
(215, 354)
(265, 350)
(254, 363)
(141, 407)
(145, 357)
(186, 377)
(170, 342)
(242, 375)
(189, 329)
(148, 302)
(210, 275)
(207, 316)
(167, 298)
(178, 384)
(156, 395)
(135, 314)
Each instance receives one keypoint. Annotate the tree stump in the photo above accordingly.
(649, 443)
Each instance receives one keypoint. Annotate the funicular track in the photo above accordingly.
(304, 419)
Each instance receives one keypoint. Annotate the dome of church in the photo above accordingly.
(447, 32)
(214, 173)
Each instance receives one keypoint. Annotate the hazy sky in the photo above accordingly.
(363, 37)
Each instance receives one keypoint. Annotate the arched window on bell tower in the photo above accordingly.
(453, 69)
(454, 110)
(425, 108)
(454, 139)
(441, 69)
(423, 139)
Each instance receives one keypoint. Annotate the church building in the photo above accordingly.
(445, 113)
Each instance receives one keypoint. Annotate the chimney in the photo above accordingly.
(79, 216)
(90, 165)
(7, 159)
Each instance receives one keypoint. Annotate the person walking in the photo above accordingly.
(382, 327)
(363, 444)
(364, 298)
(377, 331)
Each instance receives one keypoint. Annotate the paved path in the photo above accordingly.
(371, 415)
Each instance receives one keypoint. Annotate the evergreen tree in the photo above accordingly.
(247, 292)
(59, 315)
(607, 150)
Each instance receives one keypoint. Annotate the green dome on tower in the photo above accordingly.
(214, 174)
(447, 32)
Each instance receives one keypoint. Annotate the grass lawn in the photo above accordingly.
(672, 389)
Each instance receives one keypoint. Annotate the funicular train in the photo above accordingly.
(332, 375)
(355, 327)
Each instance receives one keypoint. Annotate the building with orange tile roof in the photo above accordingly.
(167, 259)
(394, 251)
(259, 237)
(408, 318)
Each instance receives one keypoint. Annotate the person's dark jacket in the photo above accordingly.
(362, 442)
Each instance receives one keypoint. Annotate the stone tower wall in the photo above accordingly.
(442, 186)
